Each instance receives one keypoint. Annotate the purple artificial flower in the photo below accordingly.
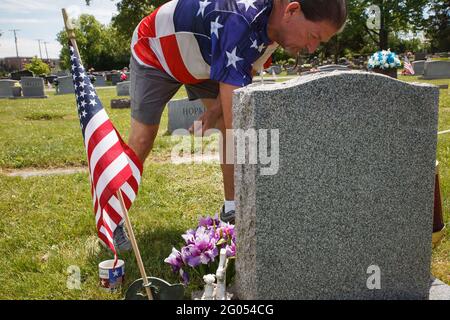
(189, 236)
(191, 255)
(209, 221)
(231, 250)
(175, 260)
(184, 276)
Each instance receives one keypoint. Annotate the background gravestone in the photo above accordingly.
(183, 113)
(436, 70)
(65, 85)
(123, 88)
(100, 81)
(33, 87)
(115, 78)
(418, 67)
(420, 56)
(7, 88)
(354, 188)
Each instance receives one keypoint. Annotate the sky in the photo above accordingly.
(43, 20)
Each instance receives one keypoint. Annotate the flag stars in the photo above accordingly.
(254, 44)
(84, 114)
(93, 102)
(92, 94)
(203, 5)
(248, 4)
(232, 58)
(215, 26)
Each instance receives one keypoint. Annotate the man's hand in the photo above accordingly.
(208, 119)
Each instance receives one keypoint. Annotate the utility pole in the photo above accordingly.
(40, 51)
(15, 38)
(46, 51)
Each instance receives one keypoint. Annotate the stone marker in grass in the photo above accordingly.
(183, 113)
(33, 87)
(348, 213)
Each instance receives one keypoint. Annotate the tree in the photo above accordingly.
(439, 26)
(131, 12)
(394, 16)
(38, 67)
(100, 46)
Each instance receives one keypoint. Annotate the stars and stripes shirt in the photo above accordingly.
(113, 166)
(195, 40)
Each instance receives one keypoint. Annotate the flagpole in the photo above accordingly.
(135, 246)
(72, 37)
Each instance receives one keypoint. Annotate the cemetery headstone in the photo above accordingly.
(183, 113)
(33, 87)
(7, 88)
(436, 70)
(419, 67)
(65, 85)
(420, 56)
(345, 210)
(115, 78)
(123, 88)
(120, 103)
(100, 81)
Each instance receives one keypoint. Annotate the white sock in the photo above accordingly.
(229, 206)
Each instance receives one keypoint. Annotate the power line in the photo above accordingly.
(15, 39)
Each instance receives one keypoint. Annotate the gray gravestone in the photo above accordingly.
(123, 88)
(183, 113)
(419, 67)
(100, 81)
(33, 87)
(65, 85)
(7, 88)
(353, 192)
(120, 103)
(115, 78)
(436, 70)
(420, 56)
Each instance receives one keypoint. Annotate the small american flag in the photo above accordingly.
(408, 67)
(112, 164)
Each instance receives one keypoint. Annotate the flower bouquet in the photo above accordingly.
(385, 62)
(201, 252)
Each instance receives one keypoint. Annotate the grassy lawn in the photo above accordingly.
(43, 231)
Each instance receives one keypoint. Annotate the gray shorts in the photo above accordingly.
(151, 89)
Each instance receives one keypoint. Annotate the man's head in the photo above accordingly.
(303, 24)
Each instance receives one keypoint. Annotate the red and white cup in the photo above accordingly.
(111, 279)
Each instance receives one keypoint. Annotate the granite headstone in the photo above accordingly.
(65, 85)
(419, 67)
(100, 81)
(348, 213)
(115, 78)
(7, 88)
(33, 87)
(183, 113)
(436, 70)
(123, 88)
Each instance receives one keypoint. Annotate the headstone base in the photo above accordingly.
(439, 290)
(42, 97)
(120, 103)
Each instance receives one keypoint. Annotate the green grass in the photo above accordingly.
(38, 219)
(43, 231)
(45, 133)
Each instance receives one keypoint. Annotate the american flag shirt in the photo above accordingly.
(196, 40)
